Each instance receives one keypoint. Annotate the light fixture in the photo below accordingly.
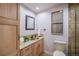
(37, 8)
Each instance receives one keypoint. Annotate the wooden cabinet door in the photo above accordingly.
(8, 29)
(27, 51)
(38, 48)
(34, 50)
(41, 46)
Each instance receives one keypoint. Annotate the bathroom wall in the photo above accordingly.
(44, 22)
(24, 11)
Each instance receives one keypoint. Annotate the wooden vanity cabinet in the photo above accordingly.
(34, 49)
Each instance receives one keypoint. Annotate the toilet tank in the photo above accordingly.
(59, 45)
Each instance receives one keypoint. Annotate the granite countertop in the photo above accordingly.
(23, 45)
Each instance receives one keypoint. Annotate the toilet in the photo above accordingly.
(59, 48)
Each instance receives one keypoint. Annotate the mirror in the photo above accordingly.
(29, 23)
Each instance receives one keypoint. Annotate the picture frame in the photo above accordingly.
(29, 23)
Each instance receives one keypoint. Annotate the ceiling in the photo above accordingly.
(42, 6)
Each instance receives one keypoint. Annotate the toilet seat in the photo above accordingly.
(58, 53)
